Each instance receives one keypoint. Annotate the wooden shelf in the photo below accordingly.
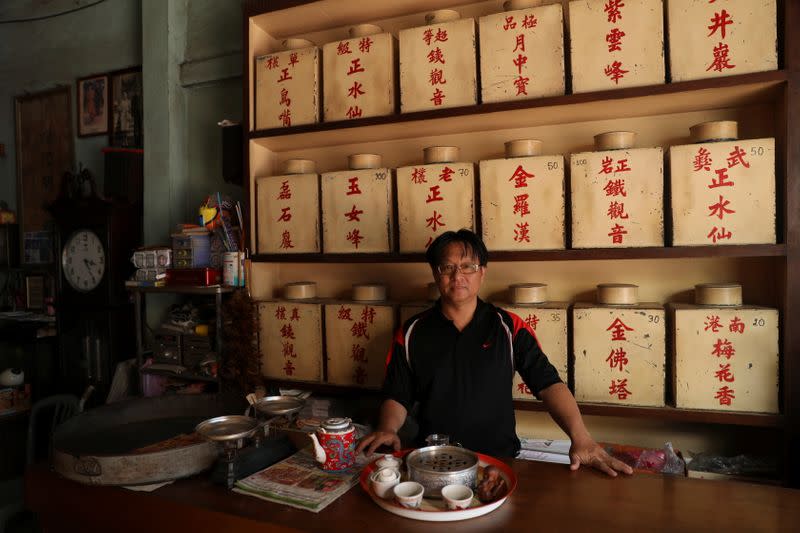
(746, 250)
(185, 289)
(188, 376)
(668, 413)
(321, 388)
(670, 98)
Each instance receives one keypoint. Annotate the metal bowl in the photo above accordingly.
(437, 466)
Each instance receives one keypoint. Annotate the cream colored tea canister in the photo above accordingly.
(438, 65)
(616, 44)
(358, 332)
(617, 194)
(619, 348)
(723, 189)
(726, 354)
(287, 210)
(435, 197)
(409, 309)
(357, 207)
(714, 39)
(359, 74)
(522, 199)
(522, 52)
(290, 333)
(287, 86)
(547, 320)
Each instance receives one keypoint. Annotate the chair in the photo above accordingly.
(61, 407)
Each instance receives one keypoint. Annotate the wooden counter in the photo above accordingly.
(548, 498)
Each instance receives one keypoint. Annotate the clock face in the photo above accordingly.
(83, 260)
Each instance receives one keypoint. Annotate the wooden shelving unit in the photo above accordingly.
(766, 104)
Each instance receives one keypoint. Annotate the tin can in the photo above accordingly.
(231, 268)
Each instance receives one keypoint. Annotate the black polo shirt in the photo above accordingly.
(463, 379)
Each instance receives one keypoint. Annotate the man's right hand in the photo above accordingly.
(371, 442)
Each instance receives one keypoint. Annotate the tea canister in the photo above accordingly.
(723, 188)
(711, 40)
(287, 210)
(619, 348)
(522, 199)
(435, 197)
(438, 65)
(726, 354)
(357, 333)
(617, 194)
(287, 86)
(359, 74)
(290, 333)
(548, 322)
(513, 64)
(357, 207)
(616, 44)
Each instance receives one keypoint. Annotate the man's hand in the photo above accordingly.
(373, 440)
(588, 452)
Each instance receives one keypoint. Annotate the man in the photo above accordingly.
(457, 360)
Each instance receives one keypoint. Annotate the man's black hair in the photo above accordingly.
(473, 246)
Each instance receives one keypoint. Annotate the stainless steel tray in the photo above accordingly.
(229, 427)
(279, 405)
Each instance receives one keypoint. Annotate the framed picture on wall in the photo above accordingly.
(92, 105)
(126, 108)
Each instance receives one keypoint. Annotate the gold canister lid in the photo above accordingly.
(433, 292)
(362, 30)
(364, 161)
(523, 148)
(726, 294)
(528, 293)
(513, 5)
(299, 166)
(442, 15)
(615, 140)
(369, 292)
(617, 294)
(293, 43)
(720, 130)
(441, 154)
(300, 290)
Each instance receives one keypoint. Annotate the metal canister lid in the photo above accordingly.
(442, 15)
(337, 424)
(299, 166)
(294, 43)
(615, 140)
(721, 294)
(441, 154)
(715, 131)
(617, 294)
(441, 459)
(514, 5)
(369, 292)
(300, 290)
(364, 161)
(523, 148)
(528, 293)
(362, 30)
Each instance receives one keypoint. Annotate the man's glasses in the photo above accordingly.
(450, 270)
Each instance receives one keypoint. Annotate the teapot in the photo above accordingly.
(334, 444)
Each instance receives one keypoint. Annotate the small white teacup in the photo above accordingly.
(383, 481)
(457, 496)
(409, 494)
(389, 461)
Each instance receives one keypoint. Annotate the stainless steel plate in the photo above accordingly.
(279, 405)
(230, 427)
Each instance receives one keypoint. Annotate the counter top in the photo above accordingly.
(548, 497)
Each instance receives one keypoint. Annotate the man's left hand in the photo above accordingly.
(588, 452)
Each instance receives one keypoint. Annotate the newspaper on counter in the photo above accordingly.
(298, 481)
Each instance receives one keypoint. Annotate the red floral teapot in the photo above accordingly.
(334, 444)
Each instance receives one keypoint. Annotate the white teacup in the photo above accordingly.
(383, 481)
(409, 494)
(457, 496)
(389, 461)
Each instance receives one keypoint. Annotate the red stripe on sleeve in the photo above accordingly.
(520, 324)
(400, 341)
